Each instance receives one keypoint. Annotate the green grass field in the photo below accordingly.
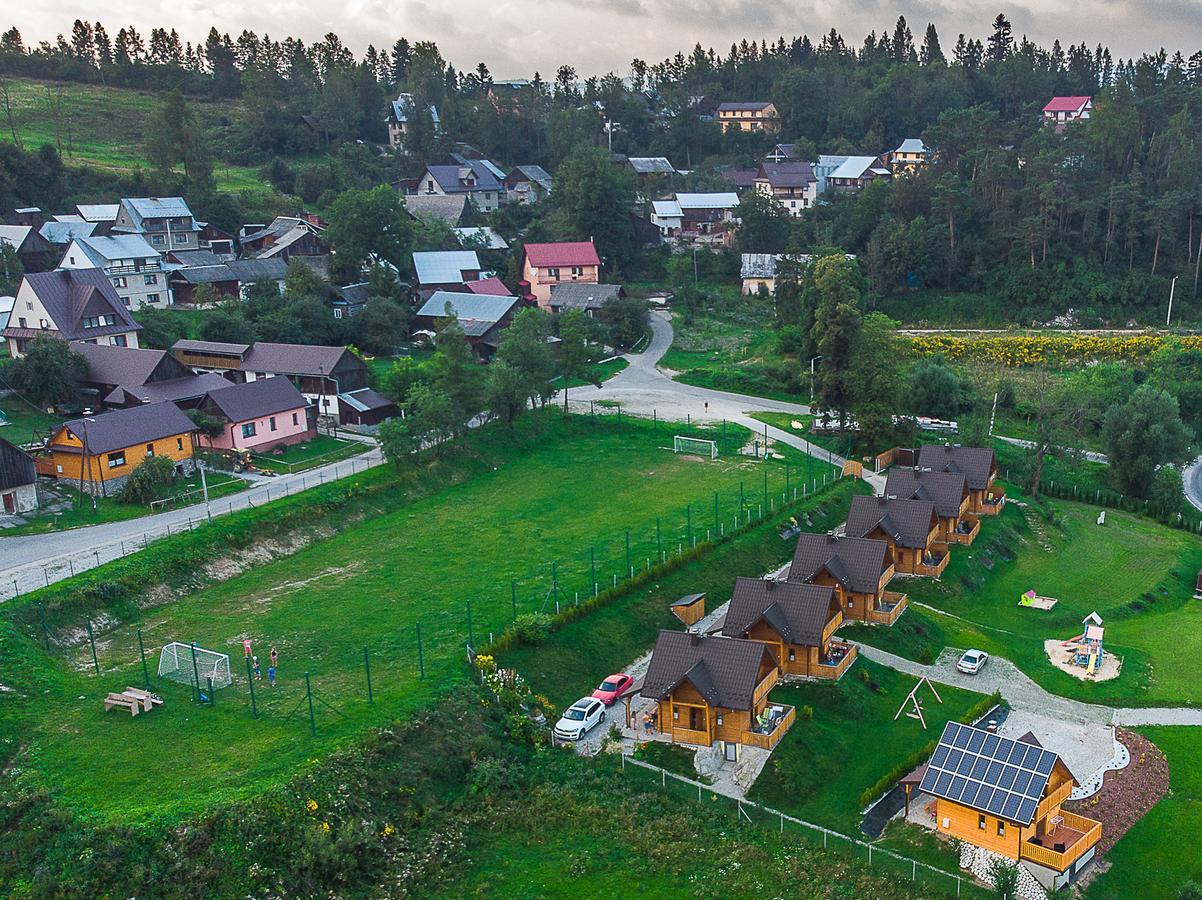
(24, 422)
(1137, 574)
(317, 451)
(533, 519)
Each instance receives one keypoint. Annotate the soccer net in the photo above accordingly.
(177, 664)
(697, 446)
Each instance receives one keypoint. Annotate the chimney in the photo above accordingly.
(769, 584)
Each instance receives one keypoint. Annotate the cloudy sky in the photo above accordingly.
(515, 37)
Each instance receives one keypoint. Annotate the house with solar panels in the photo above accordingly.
(1007, 796)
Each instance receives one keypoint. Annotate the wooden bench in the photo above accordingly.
(147, 699)
(123, 701)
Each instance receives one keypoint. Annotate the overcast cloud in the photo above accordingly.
(516, 37)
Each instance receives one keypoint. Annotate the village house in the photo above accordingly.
(491, 286)
(32, 248)
(60, 234)
(98, 453)
(165, 222)
(752, 115)
(70, 305)
(1060, 111)
(947, 490)
(857, 568)
(782, 153)
(18, 481)
(480, 238)
(742, 180)
(909, 527)
(827, 163)
(791, 184)
(588, 298)
(545, 265)
(855, 173)
(978, 465)
(909, 157)
(798, 621)
(103, 215)
(758, 270)
(349, 300)
(711, 689)
(454, 211)
(527, 184)
(481, 316)
(365, 408)
(283, 238)
(697, 218)
(1007, 796)
(474, 179)
(649, 168)
(258, 415)
(135, 268)
(228, 279)
(400, 115)
(444, 270)
(110, 367)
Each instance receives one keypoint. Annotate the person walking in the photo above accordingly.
(275, 657)
(271, 676)
(254, 662)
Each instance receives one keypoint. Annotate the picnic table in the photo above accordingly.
(134, 699)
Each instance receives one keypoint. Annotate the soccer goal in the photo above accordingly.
(194, 666)
(697, 446)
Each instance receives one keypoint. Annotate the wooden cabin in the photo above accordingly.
(715, 689)
(797, 621)
(909, 527)
(857, 568)
(1006, 795)
(947, 490)
(690, 609)
(978, 465)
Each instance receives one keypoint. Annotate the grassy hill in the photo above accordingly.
(101, 127)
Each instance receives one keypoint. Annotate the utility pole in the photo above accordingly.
(1168, 320)
(812, 361)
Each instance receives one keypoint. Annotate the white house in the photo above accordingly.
(132, 265)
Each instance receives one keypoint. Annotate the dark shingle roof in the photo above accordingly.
(248, 270)
(129, 366)
(989, 773)
(856, 563)
(126, 427)
(946, 490)
(71, 294)
(292, 359)
(907, 522)
(221, 347)
(174, 389)
(577, 295)
(975, 463)
(723, 670)
(255, 399)
(366, 399)
(787, 174)
(17, 467)
(797, 612)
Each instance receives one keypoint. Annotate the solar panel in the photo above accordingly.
(997, 801)
(989, 748)
(979, 768)
(940, 755)
(1007, 779)
(942, 783)
(975, 740)
(1017, 751)
(994, 773)
(954, 758)
(1044, 766)
(957, 789)
(1010, 810)
(1026, 810)
(961, 738)
(1021, 781)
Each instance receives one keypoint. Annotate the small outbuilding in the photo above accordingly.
(18, 480)
(690, 609)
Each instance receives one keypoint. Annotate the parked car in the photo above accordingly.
(972, 662)
(612, 687)
(579, 719)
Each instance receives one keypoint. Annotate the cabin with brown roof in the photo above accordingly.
(978, 465)
(857, 568)
(947, 490)
(909, 527)
(715, 689)
(797, 621)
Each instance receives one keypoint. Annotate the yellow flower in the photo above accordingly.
(325, 827)
(311, 806)
(388, 831)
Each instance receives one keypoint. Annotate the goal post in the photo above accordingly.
(194, 666)
(696, 446)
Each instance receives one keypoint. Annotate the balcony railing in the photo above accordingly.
(762, 689)
(690, 736)
(967, 529)
(766, 741)
(891, 606)
(832, 668)
(1054, 799)
(1077, 833)
(992, 501)
(934, 562)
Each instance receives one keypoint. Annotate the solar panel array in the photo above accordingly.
(989, 773)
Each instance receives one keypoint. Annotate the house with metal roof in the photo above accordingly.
(436, 270)
(650, 166)
(284, 237)
(855, 173)
(748, 115)
(782, 153)
(697, 218)
(134, 267)
(98, 453)
(1006, 795)
(401, 112)
(711, 689)
(69, 305)
(480, 238)
(258, 415)
(166, 222)
(792, 184)
(588, 298)
(909, 527)
(527, 184)
(759, 270)
(18, 481)
(910, 156)
(797, 621)
(100, 213)
(62, 233)
(454, 210)
(544, 265)
(365, 407)
(948, 491)
(32, 248)
(859, 569)
(978, 465)
(481, 316)
(476, 179)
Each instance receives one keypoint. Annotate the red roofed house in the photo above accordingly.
(491, 286)
(1062, 110)
(549, 264)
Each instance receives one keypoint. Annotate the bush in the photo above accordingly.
(532, 628)
(1004, 875)
(926, 656)
(805, 713)
(148, 479)
(791, 339)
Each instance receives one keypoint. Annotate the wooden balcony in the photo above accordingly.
(992, 501)
(690, 736)
(891, 606)
(1071, 840)
(934, 561)
(971, 526)
(771, 739)
(833, 671)
(762, 689)
(1053, 800)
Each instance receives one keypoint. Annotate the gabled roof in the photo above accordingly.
(195, 257)
(17, 467)
(1066, 104)
(907, 522)
(444, 266)
(740, 105)
(16, 236)
(492, 286)
(666, 209)
(66, 232)
(797, 173)
(128, 366)
(71, 294)
(759, 265)
(98, 212)
(535, 174)
(912, 145)
(740, 178)
(976, 464)
(946, 490)
(477, 307)
(103, 250)
(710, 200)
(189, 387)
(142, 208)
(213, 274)
(855, 563)
(799, 613)
(451, 178)
(563, 253)
(487, 238)
(365, 400)
(402, 108)
(725, 671)
(255, 399)
(123, 428)
(855, 167)
(295, 359)
(439, 207)
(651, 165)
(990, 773)
(249, 270)
(578, 295)
(353, 294)
(219, 347)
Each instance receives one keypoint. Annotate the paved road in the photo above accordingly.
(1192, 477)
(33, 561)
(1091, 455)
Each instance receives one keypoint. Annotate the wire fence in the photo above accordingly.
(749, 814)
(1171, 515)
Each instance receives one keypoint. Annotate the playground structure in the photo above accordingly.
(912, 698)
(1035, 601)
(1083, 656)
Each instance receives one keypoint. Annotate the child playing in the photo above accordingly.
(254, 661)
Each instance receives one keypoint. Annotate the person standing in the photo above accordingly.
(271, 676)
(254, 661)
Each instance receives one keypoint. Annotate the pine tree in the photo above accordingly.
(932, 53)
(1001, 42)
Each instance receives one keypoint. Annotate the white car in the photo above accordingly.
(972, 662)
(579, 719)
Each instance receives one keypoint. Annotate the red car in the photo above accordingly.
(612, 687)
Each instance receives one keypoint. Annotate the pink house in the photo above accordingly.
(258, 415)
(550, 264)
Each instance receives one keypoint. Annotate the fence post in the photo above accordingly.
(92, 641)
(212, 693)
(142, 653)
(195, 672)
(421, 661)
(309, 694)
(250, 680)
(555, 584)
(367, 670)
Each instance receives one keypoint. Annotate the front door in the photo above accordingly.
(695, 719)
(10, 503)
(730, 751)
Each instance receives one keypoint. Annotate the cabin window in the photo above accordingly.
(719, 720)
(116, 459)
(248, 430)
(981, 822)
(156, 239)
(294, 421)
(150, 279)
(181, 239)
(577, 271)
(150, 449)
(120, 341)
(179, 443)
(152, 298)
(1001, 828)
(271, 423)
(675, 714)
(792, 655)
(58, 469)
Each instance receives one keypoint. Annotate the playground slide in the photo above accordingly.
(1093, 663)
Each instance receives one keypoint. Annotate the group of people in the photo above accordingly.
(254, 664)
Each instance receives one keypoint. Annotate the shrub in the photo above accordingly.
(926, 656)
(1004, 875)
(532, 628)
(805, 713)
(148, 479)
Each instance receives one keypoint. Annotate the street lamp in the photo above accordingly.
(1172, 287)
(812, 361)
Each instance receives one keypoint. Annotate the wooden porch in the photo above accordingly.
(769, 739)
(992, 501)
(967, 529)
(889, 608)
(840, 656)
(934, 561)
(1072, 838)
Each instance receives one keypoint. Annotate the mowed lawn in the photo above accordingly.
(525, 529)
(1138, 575)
